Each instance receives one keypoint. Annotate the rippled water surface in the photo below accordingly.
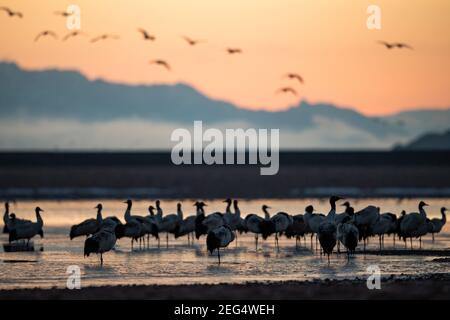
(183, 263)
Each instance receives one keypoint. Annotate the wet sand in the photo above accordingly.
(435, 286)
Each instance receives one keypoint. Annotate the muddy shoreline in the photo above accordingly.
(436, 286)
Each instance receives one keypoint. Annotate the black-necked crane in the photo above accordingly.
(132, 229)
(46, 33)
(11, 13)
(347, 234)
(295, 76)
(313, 221)
(384, 225)
(216, 219)
(341, 216)
(241, 226)
(200, 228)
(277, 224)
(186, 227)
(88, 226)
(413, 224)
(27, 230)
(234, 50)
(297, 229)
(146, 35)
(102, 241)
(365, 218)
(104, 37)
(72, 34)
(438, 224)
(162, 63)
(145, 225)
(327, 229)
(254, 223)
(219, 237)
(170, 222)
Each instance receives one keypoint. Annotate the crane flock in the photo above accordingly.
(348, 228)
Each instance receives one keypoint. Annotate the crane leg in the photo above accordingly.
(167, 240)
(218, 254)
(432, 236)
(101, 259)
(256, 242)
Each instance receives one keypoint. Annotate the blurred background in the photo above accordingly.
(79, 113)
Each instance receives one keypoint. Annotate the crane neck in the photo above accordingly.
(266, 214)
(39, 218)
(237, 211)
(444, 218)
(99, 215)
(228, 209)
(180, 213)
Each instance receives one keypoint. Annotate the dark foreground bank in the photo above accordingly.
(428, 287)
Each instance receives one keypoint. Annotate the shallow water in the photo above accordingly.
(184, 264)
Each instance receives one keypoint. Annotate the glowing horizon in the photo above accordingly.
(327, 43)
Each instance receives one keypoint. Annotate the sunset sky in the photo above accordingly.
(327, 42)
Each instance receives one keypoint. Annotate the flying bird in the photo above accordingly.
(104, 37)
(73, 34)
(287, 90)
(45, 34)
(191, 41)
(146, 35)
(295, 76)
(63, 13)
(234, 50)
(11, 13)
(161, 63)
(395, 45)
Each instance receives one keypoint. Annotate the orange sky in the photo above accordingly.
(327, 42)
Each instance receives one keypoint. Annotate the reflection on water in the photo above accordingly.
(183, 263)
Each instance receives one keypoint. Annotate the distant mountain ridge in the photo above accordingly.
(55, 94)
(429, 141)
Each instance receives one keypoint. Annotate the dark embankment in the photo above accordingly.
(146, 175)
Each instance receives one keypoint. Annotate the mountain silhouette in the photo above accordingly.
(69, 95)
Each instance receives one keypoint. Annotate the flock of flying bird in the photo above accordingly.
(348, 228)
(190, 41)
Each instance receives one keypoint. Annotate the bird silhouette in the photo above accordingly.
(11, 13)
(295, 76)
(393, 45)
(161, 63)
(104, 37)
(45, 34)
(63, 13)
(73, 34)
(234, 50)
(287, 90)
(191, 41)
(146, 35)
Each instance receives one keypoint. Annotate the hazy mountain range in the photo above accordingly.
(63, 109)
(429, 141)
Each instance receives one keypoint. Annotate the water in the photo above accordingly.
(184, 264)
